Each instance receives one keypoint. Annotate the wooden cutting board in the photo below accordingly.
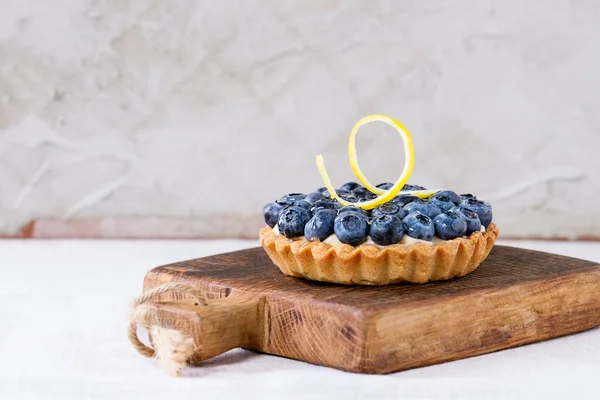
(515, 297)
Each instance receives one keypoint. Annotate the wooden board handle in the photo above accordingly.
(192, 329)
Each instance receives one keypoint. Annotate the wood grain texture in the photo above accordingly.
(515, 297)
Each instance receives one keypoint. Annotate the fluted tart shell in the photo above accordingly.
(368, 264)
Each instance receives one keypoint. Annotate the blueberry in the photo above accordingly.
(292, 221)
(325, 203)
(483, 210)
(271, 213)
(363, 193)
(290, 199)
(465, 196)
(320, 226)
(450, 225)
(472, 219)
(385, 186)
(442, 205)
(403, 199)
(408, 187)
(419, 226)
(350, 186)
(366, 196)
(350, 197)
(313, 197)
(447, 195)
(303, 204)
(389, 209)
(429, 209)
(353, 209)
(351, 228)
(342, 193)
(410, 206)
(323, 190)
(445, 199)
(386, 230)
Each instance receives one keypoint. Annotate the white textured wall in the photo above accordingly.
(193, 114)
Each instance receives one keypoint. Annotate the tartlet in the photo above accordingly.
(361, 234)
(368, 264)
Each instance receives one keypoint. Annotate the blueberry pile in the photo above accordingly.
(446, 215)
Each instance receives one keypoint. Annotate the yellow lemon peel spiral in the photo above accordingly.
(384, 195)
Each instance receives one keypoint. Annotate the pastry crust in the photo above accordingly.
(368, 264)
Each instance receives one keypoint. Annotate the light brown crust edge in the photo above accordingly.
(368, 264)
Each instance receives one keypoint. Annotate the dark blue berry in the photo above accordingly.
(446, 195)
(363, 194)
(292, 221)
(349, 197)
(408, 187)
(429, 209)
(325, 204)
(483, 210)
(323, 190)
(419, 226)
(472, 219)
(450, 225)
(320, 226)
(403, 199)
(389, 209)
(353, 209)
(442, 205)
(290, 199)
(366, 196)
(303, 204)
(386, 230)
(271, 213)
(313, 197)
(385, 186)
(465, 196)
(445, 199)
(344, 192)
(351, 228)
(350, 186)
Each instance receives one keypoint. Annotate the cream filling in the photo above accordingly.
(405, 241)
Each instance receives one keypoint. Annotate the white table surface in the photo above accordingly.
(62, 336)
